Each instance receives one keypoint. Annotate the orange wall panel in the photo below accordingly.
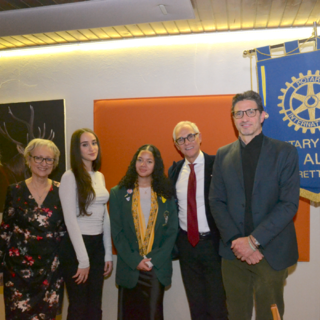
(123, 125)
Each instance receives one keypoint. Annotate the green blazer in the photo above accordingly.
(125, 239)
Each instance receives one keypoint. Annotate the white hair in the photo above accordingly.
(184, 123)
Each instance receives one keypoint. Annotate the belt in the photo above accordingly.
(202, 235)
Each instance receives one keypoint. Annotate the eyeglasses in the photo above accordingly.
(249, 112)
(190, 137)
(48, 161)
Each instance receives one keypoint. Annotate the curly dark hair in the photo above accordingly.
(160, 183)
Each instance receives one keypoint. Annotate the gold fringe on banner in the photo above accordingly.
(315, 197)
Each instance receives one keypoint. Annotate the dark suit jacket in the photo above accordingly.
(275, 199)
(174, 171)
(125, 239)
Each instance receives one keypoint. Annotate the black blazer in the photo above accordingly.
(275, 199)
(173, 174)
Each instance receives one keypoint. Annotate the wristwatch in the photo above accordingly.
(255, 241)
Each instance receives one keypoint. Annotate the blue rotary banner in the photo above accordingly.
(290, 89)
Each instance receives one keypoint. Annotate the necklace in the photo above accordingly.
(39, 197)
(145, 190)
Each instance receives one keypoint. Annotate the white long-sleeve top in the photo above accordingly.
(98, 222)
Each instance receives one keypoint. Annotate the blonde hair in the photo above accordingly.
(35, 143)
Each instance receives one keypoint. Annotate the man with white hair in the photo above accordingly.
(198, 239)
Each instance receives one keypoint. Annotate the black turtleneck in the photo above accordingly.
(250, 155)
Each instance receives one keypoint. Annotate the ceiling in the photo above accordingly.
(22, 4)
(46, 22)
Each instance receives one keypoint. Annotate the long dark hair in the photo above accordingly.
(160, 183)
(85, 190)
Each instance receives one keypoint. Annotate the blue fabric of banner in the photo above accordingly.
(292, 47)
(263, 53)
(290, 89)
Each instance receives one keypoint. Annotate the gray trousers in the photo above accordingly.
(245, 283)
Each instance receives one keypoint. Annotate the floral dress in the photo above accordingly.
(29, 243)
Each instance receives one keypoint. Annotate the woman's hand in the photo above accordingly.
(82, 275)
(107, 268)
(142, 266)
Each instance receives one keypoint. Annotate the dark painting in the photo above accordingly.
(19, 124)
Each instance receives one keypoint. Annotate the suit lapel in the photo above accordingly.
(160, 217)
(208, 164)
(176, 171)
(127, 205)
(235, 158)
(264, 158)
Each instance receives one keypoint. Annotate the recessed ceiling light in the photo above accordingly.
(273, 35)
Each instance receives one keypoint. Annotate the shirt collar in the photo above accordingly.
(200, 159)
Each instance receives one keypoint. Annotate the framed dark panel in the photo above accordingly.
(23, 122)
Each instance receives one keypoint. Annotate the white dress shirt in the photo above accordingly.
(182, 194)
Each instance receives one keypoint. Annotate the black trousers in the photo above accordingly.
(144, 301)
(201, 275)
(84, 299)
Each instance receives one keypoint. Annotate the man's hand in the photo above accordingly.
(255, 258)
(241, 248)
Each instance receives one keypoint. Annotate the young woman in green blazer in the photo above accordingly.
(144, 227)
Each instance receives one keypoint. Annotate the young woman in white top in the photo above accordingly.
(86, 252)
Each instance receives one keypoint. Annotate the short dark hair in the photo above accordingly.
(160, 183)
(248, 95)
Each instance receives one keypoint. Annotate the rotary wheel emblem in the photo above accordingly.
(300, 102)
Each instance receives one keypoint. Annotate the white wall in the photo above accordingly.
(80, 77)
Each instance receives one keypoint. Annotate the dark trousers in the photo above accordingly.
(144, 301)
(201, 274)
(84, 299)
(242, 281)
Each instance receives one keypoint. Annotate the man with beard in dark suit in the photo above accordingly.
(254, 196)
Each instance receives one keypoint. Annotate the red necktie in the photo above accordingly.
(193, 232)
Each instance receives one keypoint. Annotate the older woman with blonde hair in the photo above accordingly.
(30, 235)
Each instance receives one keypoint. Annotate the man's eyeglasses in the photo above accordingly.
(190, 137)
(48, 161)
(239, 114)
